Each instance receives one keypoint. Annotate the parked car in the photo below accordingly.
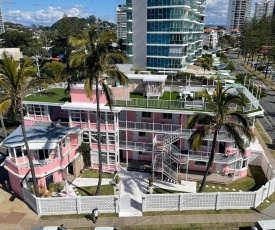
(264, 225)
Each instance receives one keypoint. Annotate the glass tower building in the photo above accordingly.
(164, 35)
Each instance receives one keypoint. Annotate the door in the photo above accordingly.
(49, 180)
(222, 147)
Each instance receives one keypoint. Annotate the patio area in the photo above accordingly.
(215, 178)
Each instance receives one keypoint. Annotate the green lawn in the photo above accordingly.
(56, 95)
(137, 95)
(254, 180)
(174, 96)
(90, 190)
(92, 173)
(164, 191)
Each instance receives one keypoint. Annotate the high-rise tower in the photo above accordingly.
(238, 12)
(164, 34)
(2, 28)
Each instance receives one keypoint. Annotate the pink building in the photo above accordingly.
(147, 124)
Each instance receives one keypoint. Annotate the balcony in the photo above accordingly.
(135, 146)
(219, 157)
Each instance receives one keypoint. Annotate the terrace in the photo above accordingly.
(138, 95)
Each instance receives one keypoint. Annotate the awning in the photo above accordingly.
(48, 145)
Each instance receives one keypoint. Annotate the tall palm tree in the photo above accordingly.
(18, 81)
(4, 108)
(221, 115)
(94, 59)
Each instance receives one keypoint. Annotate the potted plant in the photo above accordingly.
(150, 182)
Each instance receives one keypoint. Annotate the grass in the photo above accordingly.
(137, 95)
(265, 204)
(174, 96)
(164, 191)
(90, 190)
(75, 216)
(56, 95)
(92, 173)
(252, 182)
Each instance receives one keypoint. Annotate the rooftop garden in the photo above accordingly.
(56, 95)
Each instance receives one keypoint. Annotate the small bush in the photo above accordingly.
(150, 181)
(52, 187)
(59, 187)
(117, 179)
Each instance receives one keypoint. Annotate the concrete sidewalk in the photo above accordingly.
(156, 220)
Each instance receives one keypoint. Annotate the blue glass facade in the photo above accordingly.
(174, 32)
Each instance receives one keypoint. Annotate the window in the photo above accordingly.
(36, 109)
(167, 116)
(147, 114)
(143, 153)
(78, 116)
(200, 163)
(18, 152)
(43, 154)
(143, 134)
(63, 143)
(245, 163)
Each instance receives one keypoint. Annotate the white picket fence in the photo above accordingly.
(71, 205)
(218, 200)
(161, 202)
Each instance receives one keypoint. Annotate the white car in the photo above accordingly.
(264, 225)
(50, 228)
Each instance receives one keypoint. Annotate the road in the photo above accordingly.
(267, 103)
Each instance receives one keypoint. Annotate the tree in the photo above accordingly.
(222, 116)
(54, 70)
(93, 59)
(17, 82)
(4, 108)
(85, 150)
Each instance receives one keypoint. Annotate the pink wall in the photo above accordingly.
(15, 185)
(131, 115)
(40, 117)
(28, 121)
(79, 95)
(74, 139)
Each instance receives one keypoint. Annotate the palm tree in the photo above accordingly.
(221, 115)
(4, 108)
(17, 82)
(94, 60)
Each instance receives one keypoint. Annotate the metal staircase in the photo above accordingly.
(168, 155)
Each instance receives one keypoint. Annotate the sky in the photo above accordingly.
(47, 12)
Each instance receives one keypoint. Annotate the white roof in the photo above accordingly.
(147, 77)
(42, 145)
(87, 106)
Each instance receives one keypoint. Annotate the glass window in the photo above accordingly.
(143, 134)
(85, 137)
(147, 114)
(18, 152)
(167, 116)
(200, 163)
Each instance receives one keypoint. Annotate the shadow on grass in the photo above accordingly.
(259, 177)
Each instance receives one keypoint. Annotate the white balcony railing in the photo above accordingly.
(136, 146)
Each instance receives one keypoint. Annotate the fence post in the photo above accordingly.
(263, 189)
(116, 204)
(180, 202)
(268, 189)
(78, 205)
(218, 201)
(143, 203)
(38, 210)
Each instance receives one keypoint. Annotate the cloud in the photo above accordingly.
(44, 16)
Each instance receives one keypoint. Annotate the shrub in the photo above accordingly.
(52, 187)
(85, 150)
(117, 179)
(150, 181)
(59, 187)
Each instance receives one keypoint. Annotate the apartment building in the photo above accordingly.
(2, 27)
(210, 38)
(238, 12)
(164, 35)
(121, 22)
(147, 125)
(264, 8)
